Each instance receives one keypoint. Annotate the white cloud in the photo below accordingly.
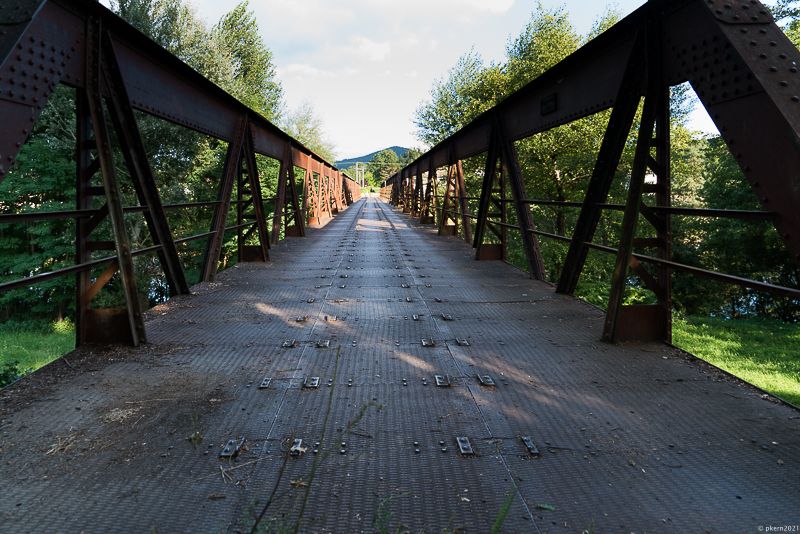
(365, 65)
(369, 49)
(304, 71)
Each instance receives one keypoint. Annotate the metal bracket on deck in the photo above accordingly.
(232, 448)
(442, 381)
(265, 383)
(530, 445)
(428, 343)
(289, 344)
(464, 446)
(297, 448)
(486, 380)
(311, 382)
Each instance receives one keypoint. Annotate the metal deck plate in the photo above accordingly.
(628, 440)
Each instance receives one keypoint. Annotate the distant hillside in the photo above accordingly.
(345, 163)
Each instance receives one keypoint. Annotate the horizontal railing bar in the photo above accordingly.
(8, 218)
(236, 227)
(698, 271)
(669, 210)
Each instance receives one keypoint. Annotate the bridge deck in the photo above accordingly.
(632, 438)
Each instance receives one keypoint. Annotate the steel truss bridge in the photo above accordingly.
(357, 370)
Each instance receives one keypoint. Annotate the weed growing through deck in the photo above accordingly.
(361, 413)
(502, 514)
(383, 515)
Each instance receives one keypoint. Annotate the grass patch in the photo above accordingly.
(33, 346)
(764, 352)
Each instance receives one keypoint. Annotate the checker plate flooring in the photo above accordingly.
(632, 438)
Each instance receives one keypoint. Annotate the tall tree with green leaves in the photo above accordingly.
(304, 124)
(384, 164)
(254, 80)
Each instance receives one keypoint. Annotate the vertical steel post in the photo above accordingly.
(466, 223)
(526, 227)
(83, 201)
(94, 100)
(646, 322)
(219, 221)
(447, 210)
(257, 198)
(141, 173)
(613, 144)
(489, 176)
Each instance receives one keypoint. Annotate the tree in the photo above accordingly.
(254, 78)
(451, 100)
(304, 125)
(384, 164)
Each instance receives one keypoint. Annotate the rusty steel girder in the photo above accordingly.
(744, 71)
(114, 67)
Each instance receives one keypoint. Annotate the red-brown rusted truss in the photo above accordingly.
(745, 72)
(116, 70)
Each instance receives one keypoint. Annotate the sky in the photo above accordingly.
(366, 65)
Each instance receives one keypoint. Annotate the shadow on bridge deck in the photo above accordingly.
(631, 438)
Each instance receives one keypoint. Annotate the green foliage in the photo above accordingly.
(304, 125)
(453, 103)
(384, 164)
(763, 352)
(548, 38)
(749, 249)
(254, 77)
(42, 179)
(9, 372)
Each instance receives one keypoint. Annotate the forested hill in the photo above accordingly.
(345, 163)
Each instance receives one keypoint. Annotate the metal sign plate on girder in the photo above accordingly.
(265, 383)
(311, 382)
(428, 343)
(442, 381)
(289, 344)
(464, 446)
(530, 445)
(232, 448)
(486, 380)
